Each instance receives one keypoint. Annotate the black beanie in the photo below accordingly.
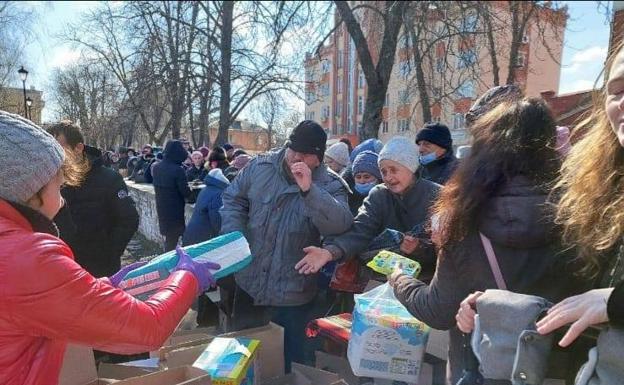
(308, 138)
(436, 133)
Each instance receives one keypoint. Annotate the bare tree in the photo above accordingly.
(385, 16)
(271, 110)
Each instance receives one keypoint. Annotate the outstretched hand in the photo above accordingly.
(582, 311)
(313, 261)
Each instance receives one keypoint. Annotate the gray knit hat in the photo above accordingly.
(29, 158)
(339, 152)
(401, 150)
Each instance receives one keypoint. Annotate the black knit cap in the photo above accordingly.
(308, 138)
(436, 133)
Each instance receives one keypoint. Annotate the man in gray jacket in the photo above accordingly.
(283, 201)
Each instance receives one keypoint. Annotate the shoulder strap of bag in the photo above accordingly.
(489, 251)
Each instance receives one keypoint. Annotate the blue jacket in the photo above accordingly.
(171, 188)
(205, 223)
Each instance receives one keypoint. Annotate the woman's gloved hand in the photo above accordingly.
(201, 270)
(116, 278)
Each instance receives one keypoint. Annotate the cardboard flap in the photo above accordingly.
(120, 372)
(78, 366)
(316, 376)
(184, 375)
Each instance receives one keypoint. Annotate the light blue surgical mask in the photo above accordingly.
(426, 159)
(364, 188)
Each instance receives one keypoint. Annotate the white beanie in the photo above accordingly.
(218, 175)
(30, 158)
(401, 150)
(339, 152)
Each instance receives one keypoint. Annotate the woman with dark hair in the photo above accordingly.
(217, 159)
(499, 192)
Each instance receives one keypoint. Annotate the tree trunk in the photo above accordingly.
(491, 43)
(377, 76)
(226, 79)
(425, 102)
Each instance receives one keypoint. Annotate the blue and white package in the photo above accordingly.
(386, 340)
(231, 251)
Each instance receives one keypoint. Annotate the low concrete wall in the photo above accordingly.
(145, 200)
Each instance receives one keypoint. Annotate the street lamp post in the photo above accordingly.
(29, 103)
(23, 75)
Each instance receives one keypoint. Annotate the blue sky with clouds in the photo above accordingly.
(586, 42)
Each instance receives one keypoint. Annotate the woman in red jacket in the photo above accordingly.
(47, 299)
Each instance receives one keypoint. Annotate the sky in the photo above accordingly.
(585, 46)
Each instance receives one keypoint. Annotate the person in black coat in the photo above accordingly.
(436, 153)
(171, 189)
(99, 217)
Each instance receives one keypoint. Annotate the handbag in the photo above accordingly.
(471, 374)
(347, 277)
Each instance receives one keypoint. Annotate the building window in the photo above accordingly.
(361, 80)
(404, 42)
(310, 97)
(339, 109)
(467, 58)
(404, 69)
(440, 64)
(360, 104)
(403, 125)
(520, 60)
(324, 89)
(436, 92)
(325, 66)
(339, 85)
(339, 59)
(467, 90)
(325, 112)
(309, 74)
(458, 121)
(384, 127)
(387, 101)
(469, 23)
(403, 97)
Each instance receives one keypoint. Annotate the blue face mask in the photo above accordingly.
(426, 159)
(364, 188)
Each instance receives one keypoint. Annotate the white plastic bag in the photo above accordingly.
(386, 340)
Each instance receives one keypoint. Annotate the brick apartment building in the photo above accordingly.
(336, 87)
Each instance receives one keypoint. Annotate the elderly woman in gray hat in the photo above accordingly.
(401, 203)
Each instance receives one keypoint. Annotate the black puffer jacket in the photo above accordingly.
(440, 170)
(99, 218)
(171, 188)
(528, 252)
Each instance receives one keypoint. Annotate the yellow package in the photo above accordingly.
(385, 262)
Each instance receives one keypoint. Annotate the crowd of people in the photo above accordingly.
(523, 210)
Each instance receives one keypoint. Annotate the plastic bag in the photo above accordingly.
(386, 340)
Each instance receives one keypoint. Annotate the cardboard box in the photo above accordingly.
(305, 375)
(341, 366)
(79, 367)
(338, 365)
(270, 355)
(185, 375)
(230, 361)
(121, 372)
(438, 344)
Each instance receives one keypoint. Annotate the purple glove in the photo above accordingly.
(116, 278)
(201, 270)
